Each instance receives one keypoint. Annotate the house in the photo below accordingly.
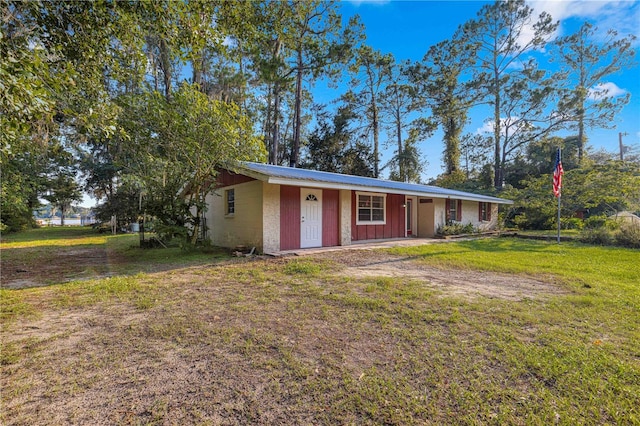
(276, 208)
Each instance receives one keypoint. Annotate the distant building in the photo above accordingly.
(626, 217)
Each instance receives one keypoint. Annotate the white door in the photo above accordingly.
(310, 218)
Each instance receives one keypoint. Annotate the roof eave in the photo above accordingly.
(370, 188)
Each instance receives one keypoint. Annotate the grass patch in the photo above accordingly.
(292, 342)
(302, 267)
(609, 268)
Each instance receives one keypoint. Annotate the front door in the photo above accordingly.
(310, 218)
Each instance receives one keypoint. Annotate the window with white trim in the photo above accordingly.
(371, 208)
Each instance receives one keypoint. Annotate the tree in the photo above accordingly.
(371, 72)
(332, 148)
(476, 153)
(62, 189)
(438, 79)
(597, 188)
(318, 47)
(517, 90)
(398, 102)
(587, 62)
(539, 158)
(184, 142)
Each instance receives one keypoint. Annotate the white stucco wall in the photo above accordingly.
(271, 217)
(470, 215)
(440, 215)
(244, 227)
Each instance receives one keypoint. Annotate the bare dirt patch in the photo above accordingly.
(460, 282)
(37, 267)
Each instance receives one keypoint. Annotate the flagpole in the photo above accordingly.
(559, 197)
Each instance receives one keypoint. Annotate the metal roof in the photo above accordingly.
(313, 178)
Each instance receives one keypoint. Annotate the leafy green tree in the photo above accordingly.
(517, 90)
(594, 188)
(319, 48)
(398, 102)
(588, 61)
(371, 71)
(184, 142)
(61, 187)
(331, 146)
(439, 82)
(476, 155)
(539, 158)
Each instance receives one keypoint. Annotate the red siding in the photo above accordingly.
(289, 217)
(394, 228)
(330, 215)
(226, 178)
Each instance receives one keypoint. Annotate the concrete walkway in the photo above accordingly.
(364, 245)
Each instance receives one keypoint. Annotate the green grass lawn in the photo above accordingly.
(294, 341)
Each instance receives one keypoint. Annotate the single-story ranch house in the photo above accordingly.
(275, 208)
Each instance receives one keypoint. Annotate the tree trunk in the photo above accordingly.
(166, 68)
(497, 166)
(295, 150)
(376, 138)
(276, 125)
(402, 170)
(452, 143)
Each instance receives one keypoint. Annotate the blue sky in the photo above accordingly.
(408, 28)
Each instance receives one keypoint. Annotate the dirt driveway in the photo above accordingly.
(460, 282)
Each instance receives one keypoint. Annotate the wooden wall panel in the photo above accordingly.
(394, 227)
(330, 217)
(289, 217)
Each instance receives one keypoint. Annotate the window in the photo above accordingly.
(230, 201)
(371, 209)
(454, 210)
(484, 212)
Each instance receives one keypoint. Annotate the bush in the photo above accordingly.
(534, 220)
(456, 229)
(571, 223)
(629, 235)
(595, 222)
(600, 236)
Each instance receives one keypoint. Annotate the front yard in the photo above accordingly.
(495, 331)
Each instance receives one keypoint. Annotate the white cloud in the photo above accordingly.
(605, 90)
(620, 15)
(514, 124)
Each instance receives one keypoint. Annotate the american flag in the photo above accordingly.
(557, 175)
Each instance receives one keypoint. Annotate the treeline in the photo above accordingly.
(142, 101)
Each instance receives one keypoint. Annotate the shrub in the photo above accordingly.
(600, 236)
(595, 222)
(456, 229)
(629, 235)
(571, 223)
(534, 220)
